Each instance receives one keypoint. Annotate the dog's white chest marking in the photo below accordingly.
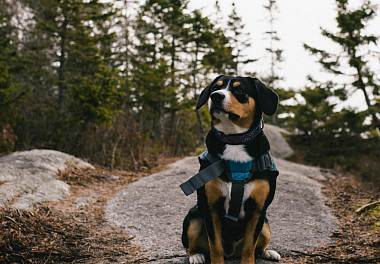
(235, 153)
(226, 190)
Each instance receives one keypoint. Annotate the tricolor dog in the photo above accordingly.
(237, 178)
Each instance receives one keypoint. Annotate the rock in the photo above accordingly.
(31, 177)
(279, 148)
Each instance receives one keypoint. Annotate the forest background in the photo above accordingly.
(116, 82)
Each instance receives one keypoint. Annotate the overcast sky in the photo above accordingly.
(298, 22)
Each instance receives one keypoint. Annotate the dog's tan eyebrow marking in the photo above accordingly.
(236, 84)
(219, 83)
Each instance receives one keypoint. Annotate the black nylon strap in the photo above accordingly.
(265, 162)
(237, 192)
(201, 178)
(211, 158)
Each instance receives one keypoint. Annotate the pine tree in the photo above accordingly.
(239, 41)
(155, 55)
(314, 117)
(275, 53)
(352, 60)
(207, 46)
(69, 49)
(217, 16)
(312, 114)
(10, 90)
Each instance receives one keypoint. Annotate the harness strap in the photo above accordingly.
(237, 192)
(201, 178)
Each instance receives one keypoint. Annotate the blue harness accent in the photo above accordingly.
(204, 154)
(240, 170)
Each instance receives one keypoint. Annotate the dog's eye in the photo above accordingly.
(239, 91)
(215, 88)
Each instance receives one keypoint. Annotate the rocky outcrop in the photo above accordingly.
(31, 177)
(279, 148)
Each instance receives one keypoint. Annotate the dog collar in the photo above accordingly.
(237, 139)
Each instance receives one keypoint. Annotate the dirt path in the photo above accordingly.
(151, 211)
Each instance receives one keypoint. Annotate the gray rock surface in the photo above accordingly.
(279, 147)
(31, 177)
(152, 210)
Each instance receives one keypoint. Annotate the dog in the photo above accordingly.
(229, 219)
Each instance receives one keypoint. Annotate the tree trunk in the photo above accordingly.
(62, 69)
(367, 100)
(373, 114)
(201, 127)
(198, 111)
(172, 64)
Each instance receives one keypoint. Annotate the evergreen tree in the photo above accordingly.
(314, 115)
(209, 53)
(354, 41)
(274, 51)
(69, 50)
(220, 58)
(315, 111)
(11, 92)
(8, 53)
(239, 41)
(154, 93)
(272, 79)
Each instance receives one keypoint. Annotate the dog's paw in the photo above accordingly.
(270, 254)
(197, 259)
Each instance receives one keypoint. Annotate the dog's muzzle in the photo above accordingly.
(217, 105)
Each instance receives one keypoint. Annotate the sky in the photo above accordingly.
(298, 22)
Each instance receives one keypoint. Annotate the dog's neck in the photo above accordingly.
(239, 138)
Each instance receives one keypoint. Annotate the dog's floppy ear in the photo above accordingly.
(205, 94)
(267, 98)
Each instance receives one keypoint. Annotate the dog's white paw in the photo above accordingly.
(270, 254)
(197, 259)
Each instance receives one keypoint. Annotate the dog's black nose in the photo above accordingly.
(217, 97)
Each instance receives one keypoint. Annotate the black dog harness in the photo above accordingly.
(238, 173)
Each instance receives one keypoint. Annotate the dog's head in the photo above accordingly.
(236, 103)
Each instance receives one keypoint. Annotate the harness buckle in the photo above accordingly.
(230, 217)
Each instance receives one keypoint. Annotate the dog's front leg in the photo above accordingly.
(252, 231)
(214, 233)
(256, 205)
(213, 222)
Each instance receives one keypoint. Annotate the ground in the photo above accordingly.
(74, 230)
(358, 238)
